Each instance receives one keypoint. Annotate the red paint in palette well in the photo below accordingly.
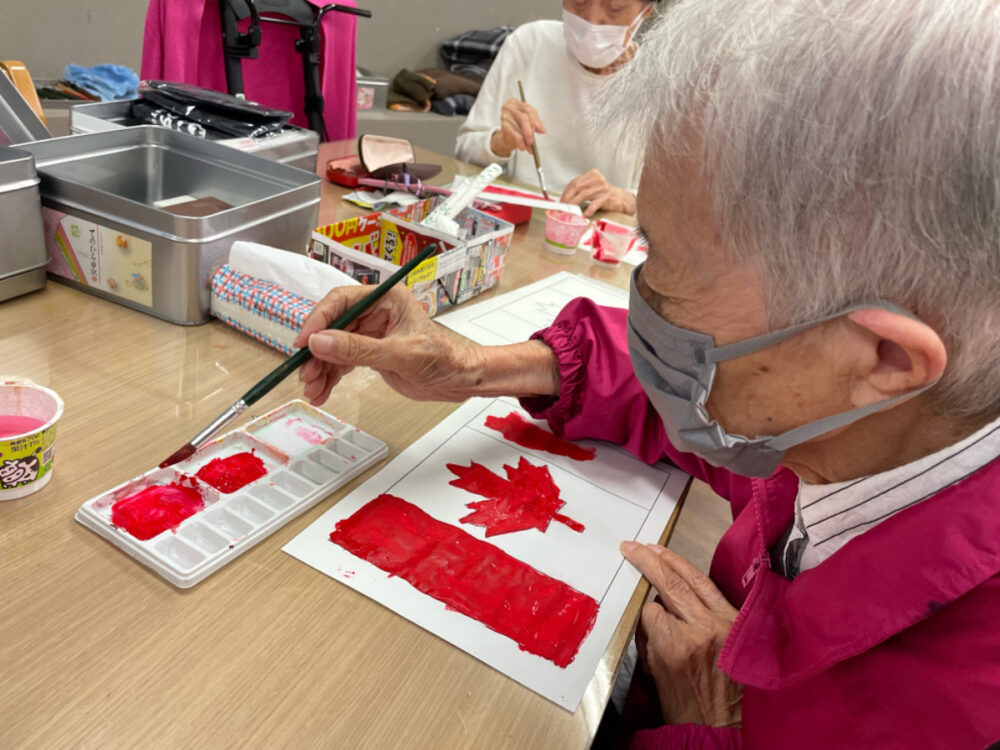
(526, 499)
(518, 430)
(543, 615)
(232, 472)
(153, 510)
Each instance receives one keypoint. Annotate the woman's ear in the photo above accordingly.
(904, 354)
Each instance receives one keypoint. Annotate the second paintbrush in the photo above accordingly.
(534, 151)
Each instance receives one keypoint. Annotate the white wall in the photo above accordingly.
(407, 33)
(47, 34)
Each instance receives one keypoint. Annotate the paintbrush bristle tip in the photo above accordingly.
(178, 456)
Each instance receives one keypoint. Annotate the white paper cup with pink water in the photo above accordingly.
(611, 242)
(563, 231)
(28, 416)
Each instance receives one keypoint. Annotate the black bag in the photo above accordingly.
(214, 110)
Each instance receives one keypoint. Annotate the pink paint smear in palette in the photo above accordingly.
(526, 499)
(312, 435)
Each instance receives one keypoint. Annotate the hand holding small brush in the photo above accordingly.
(519, 122)
(363, 302)
(414, 355)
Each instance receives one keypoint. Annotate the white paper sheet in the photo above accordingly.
(614, 496)
(514, 316)
(519, 200)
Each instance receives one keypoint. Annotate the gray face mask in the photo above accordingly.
(676, 367)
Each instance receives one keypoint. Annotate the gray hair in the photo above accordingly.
(853, 153)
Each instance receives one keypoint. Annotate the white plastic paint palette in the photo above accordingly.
(308, 454)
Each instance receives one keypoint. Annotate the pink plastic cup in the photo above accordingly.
(563, 231)
(611, 242)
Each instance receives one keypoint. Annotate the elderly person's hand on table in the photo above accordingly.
(680, 635)
(815, 334)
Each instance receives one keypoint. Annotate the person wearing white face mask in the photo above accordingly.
(561, 66)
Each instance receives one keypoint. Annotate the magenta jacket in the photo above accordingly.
(892, 642)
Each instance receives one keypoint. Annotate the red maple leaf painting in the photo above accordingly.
(526, 499)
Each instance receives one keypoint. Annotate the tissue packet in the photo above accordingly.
(268, 293)
(258, 307)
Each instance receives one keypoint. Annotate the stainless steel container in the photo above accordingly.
(113, 226)
(18, 121)
(293, 146)
(22, 245)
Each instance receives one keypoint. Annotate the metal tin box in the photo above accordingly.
(296, 147)
(143, 216)
(18, 121)
(372, 92)
(22, 244)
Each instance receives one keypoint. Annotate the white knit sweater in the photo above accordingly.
(559, 88)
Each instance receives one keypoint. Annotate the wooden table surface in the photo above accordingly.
(97, 651)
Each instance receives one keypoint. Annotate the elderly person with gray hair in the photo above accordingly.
(816, 333)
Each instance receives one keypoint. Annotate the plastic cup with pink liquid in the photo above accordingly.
(611, 242)
(28, 416)
(563, 231)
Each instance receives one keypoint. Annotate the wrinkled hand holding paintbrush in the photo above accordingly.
(366, 298)
(415, 356)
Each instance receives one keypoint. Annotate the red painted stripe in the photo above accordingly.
(518, 430)
(543, 615)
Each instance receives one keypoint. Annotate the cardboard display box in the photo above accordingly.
(370, 248)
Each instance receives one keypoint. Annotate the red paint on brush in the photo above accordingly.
(526, 499)
(232, 472)
(543, 615)
(153, 510)
(14, 424)
(181, 454)
(518, 430)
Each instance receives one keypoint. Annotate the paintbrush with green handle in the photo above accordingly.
(286, 368)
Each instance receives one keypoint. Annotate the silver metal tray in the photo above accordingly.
(18, 121)
(296, 147)
(114, 181)
(22, 245)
